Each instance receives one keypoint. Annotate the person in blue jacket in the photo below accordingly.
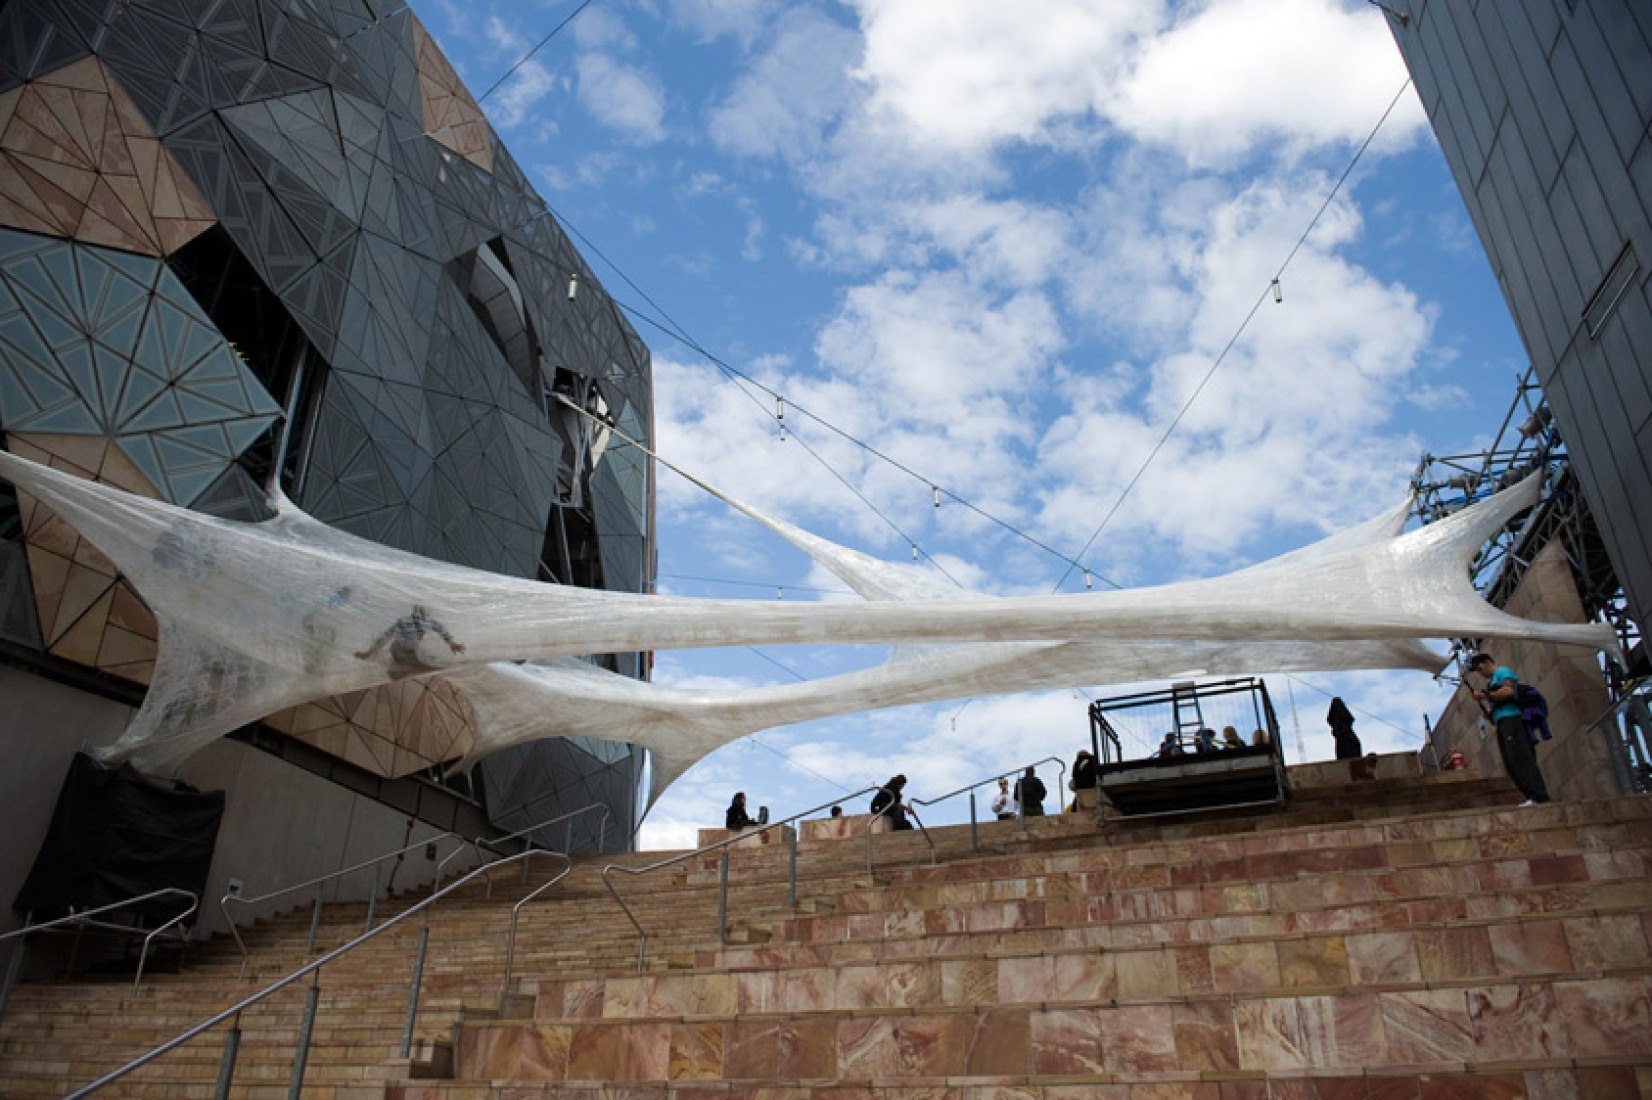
(1500, 702)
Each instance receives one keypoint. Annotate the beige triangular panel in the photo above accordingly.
(451, 116)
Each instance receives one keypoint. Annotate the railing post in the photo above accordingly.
(413, 989)
(791, 868)
(311, 995)
(14, 966)
(974, 837)
(315, 921)
(226, 1065)
(722, 898)
(372, 900)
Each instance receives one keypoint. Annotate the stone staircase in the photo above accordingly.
(1403, 937)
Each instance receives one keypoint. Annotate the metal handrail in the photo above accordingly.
(516, 911)
(974, 843)
(642, 933)
(520, 834)
(321, 881)
(85, 917)
(302, 972)
(871, 827)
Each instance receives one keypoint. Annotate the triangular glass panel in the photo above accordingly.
(141, 450)
(163, 412)
(140, 389)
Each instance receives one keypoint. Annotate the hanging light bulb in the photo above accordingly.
(1278, 294)
(779, 592)
(936, 489)
(914, 551)
(780, 415)
(573, 286)
(1086, 578)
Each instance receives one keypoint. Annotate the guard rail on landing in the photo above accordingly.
(312, 970)
(974, 836)
(722, 893)
(320, 883)
(84, 918)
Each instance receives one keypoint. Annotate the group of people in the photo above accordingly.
(1205, 741)
(1499, 701)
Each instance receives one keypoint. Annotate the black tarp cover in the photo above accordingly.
(116, 835)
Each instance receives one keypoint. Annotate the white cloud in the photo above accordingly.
(1235, 73)
(623, 97)
(518, 96)
(792, 92)
(963, 77)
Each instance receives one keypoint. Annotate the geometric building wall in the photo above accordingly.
(1543, 109)
(277, 242)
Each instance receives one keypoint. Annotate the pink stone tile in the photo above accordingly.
(1193, 973)
(1138, 1039)
(1244, 967)
(1478, 1086)
(1083, 977)
(807, 1050)
(1313, 961)
(810, 990)
(1614, 1083)
(619, 1052)
(583, 999)
(1204, 1036)
(884, 1047)
(1270, 1034)
(1606, 942)
(1382, 958)
(1455, 954)
(969, 982)
(751, 1050)
(1515, 1021)
(1066, 1041)
(757, 991)
(997, 1043)
(1530, 947)
(628, 998)
(1025, 979)
(1605, 1016)
(1145, 973)
(1424, 1026)
(1358, 1037)
(695, 1052)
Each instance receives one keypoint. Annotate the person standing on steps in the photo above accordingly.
(1501, 703)
(1003, 803)
(1029, 792)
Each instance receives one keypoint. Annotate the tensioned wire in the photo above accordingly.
(676, 331)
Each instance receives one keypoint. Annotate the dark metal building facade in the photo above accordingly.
(1542, 108)
(261, 241)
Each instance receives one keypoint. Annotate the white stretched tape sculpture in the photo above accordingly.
(255, 618)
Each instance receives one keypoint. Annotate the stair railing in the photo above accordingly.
(84, 918)
(974, 837)
(526, 835)
(871, 827)
(320, 884)
(312, 969)
(722, 889)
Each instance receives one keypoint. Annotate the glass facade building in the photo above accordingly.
(275, 242)
(1543, 109)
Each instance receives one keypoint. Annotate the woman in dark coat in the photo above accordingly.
(736, 818)
(1341, 721)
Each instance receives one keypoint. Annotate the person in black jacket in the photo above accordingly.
(1029, 792)
(888, 802)
(1341, 721)
(736, 818)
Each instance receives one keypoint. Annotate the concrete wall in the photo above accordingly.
(1543, 108)
(282, 824)
(1576, 764)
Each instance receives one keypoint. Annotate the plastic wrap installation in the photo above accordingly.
(255, 618)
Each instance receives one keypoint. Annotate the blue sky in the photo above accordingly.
(1002, 244)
